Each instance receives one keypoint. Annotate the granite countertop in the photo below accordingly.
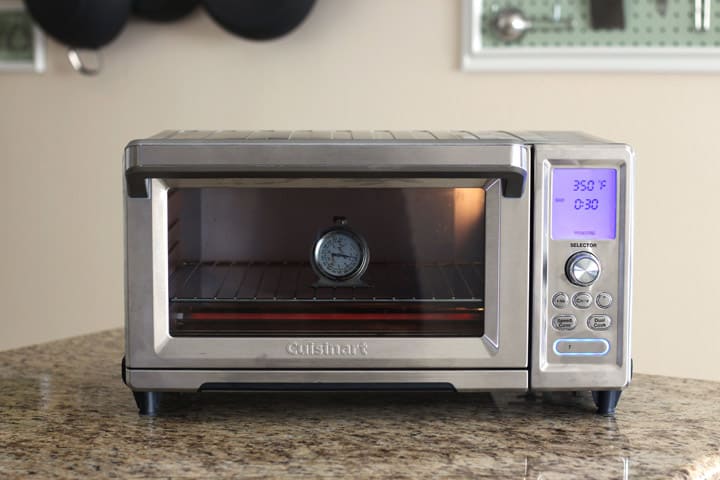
(65, 413)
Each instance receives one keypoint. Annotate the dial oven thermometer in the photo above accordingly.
(340, 256)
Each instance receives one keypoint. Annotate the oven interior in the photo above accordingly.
(239, 262)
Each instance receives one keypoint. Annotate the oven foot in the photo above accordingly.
(606, 401)
(147, 402)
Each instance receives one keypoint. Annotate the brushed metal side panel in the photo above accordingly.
(139, 281)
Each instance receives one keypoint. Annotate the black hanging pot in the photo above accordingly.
(81, 24)
(163, 10)
(259, 19)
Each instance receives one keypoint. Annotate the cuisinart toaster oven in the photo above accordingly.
(378, 260)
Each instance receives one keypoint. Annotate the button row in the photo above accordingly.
(569, 322)
(582, 300)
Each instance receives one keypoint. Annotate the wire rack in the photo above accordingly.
(294, 281)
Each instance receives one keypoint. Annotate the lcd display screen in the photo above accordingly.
(584, 203)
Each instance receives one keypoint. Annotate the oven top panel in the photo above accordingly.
(332, 136)
(339, 154)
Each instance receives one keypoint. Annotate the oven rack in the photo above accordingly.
(226, 281)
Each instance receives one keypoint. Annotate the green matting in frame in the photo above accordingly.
(648, 23)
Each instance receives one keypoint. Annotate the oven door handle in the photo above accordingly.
(508, 163)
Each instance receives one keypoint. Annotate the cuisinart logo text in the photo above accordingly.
(327, 349)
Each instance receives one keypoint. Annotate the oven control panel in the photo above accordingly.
(583, 258)
(582, 268)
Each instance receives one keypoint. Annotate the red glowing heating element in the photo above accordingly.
(331, 316)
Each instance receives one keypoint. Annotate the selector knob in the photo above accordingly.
(582, 269)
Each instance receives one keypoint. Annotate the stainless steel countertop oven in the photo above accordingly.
(469, 261)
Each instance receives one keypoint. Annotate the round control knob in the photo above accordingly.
(582, 269)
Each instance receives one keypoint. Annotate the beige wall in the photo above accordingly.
(354, 64)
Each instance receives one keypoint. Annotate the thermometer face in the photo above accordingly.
(338, 254)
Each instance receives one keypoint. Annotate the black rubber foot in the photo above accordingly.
(147, 402)
(606, 401)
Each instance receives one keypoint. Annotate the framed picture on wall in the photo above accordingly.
(22, 44)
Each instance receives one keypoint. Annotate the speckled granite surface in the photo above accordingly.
(65, 413)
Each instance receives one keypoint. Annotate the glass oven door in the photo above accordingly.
(326, 262)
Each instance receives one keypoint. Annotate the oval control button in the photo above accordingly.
(582, 300)
(603, 300)
(560, 300)
(564, 322)
(585, 347)
(599, 322)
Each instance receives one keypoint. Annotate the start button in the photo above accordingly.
(589, 347)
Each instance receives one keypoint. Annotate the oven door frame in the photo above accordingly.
(504, 344)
